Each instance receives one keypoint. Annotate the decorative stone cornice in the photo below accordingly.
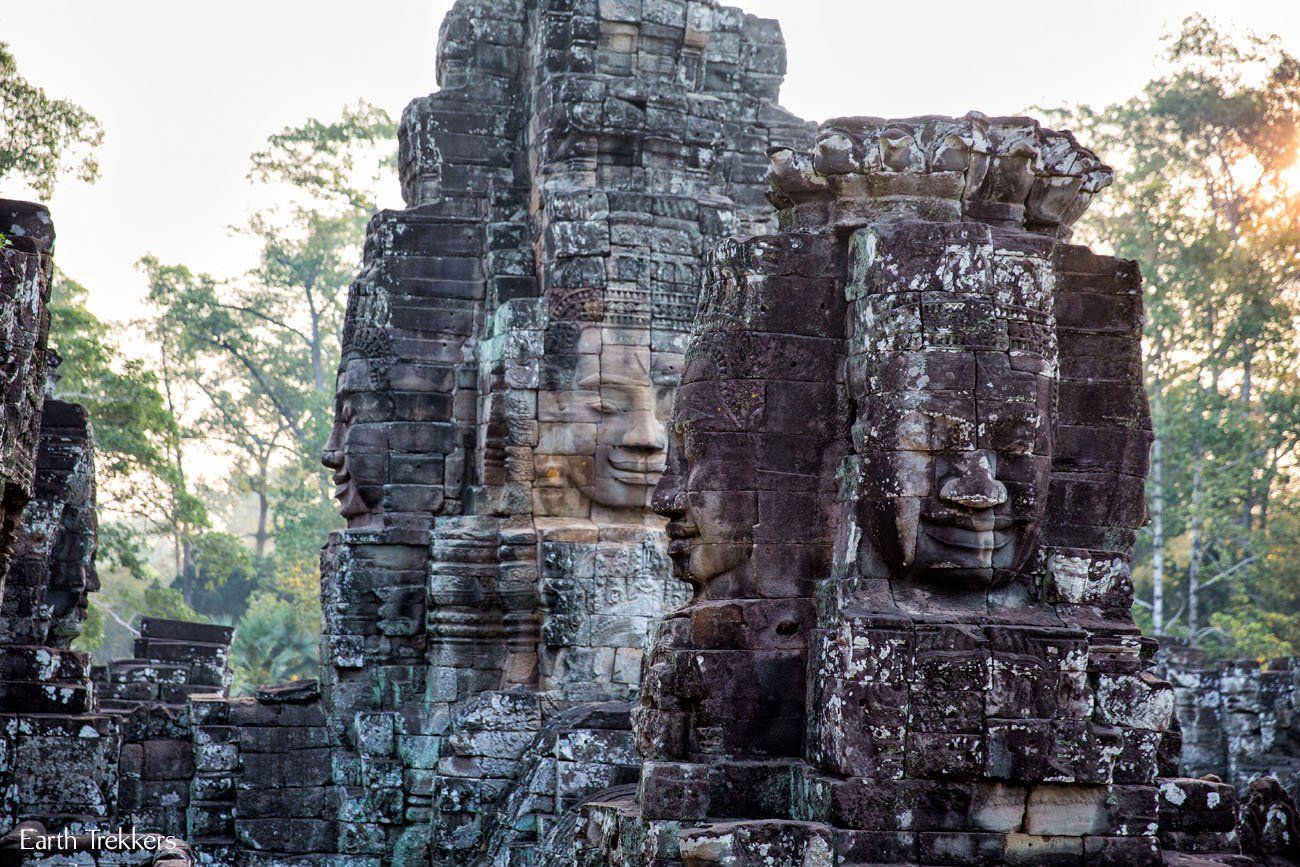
(1005, 171)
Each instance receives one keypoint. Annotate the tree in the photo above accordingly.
(138, 488)
(42, 138)
(261, 349)
(1207, 197)
(225, 575)
(247, 363)
(122, 396)
(272, 643)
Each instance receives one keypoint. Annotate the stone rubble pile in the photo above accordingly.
(174, 659)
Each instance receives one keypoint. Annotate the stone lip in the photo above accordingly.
(1006, 171)
(290, 692)
(29, 221)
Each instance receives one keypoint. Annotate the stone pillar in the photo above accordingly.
(26, 265)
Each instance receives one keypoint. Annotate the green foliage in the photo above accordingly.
(121, 394)
(1262, 618)
(122, 547)
(324, 159)
(262, 349)
(166, 601)
(1245, 631)
(114, 615)
(42, 138)
(255, 356)
(223, 575)
(302, 519)
(1207, 198)
(274, 642)
(91, 638)
(244, 368)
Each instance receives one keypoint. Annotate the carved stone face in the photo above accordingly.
(957, 478)
(706, 492)
(69, 599)
(706, 538)
(356, 450)
(603, 440)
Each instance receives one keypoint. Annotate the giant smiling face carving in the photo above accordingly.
(958, 477)
(603, 441)
(954, 379)
(710, 531)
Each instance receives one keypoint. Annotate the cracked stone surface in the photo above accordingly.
(510, 354)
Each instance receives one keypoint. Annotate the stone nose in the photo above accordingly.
(972, 482)
(669, 498)
(645, 432)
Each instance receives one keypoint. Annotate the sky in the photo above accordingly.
(187, 90)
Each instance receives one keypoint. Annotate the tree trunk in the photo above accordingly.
(1194, 568)
(1157, 535)
(263, 511)
(187, 573)
(173, 446)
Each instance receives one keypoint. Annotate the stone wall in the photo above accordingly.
(58, 754)
(1237, 718)
(26, 265)
(174, 659)
(52, 569)
(873, 567)
(261, 792)
(67, 765)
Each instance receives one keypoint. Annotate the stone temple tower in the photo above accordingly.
(510, 353)
(906, 470)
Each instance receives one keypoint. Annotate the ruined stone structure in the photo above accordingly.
(52, 565)
(509, 358)
(174, 659)
(910, 641)
(261, 791)
(25, 270)
(58, 755)
(881, 616)
(66, 765)
(1237, 719)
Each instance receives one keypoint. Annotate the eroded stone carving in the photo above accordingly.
(25, 270)
(955, 376)
(58, 755)
(961, 459)
(511, 350)
(52, 570)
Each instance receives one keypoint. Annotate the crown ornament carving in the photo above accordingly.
(1005, 171)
